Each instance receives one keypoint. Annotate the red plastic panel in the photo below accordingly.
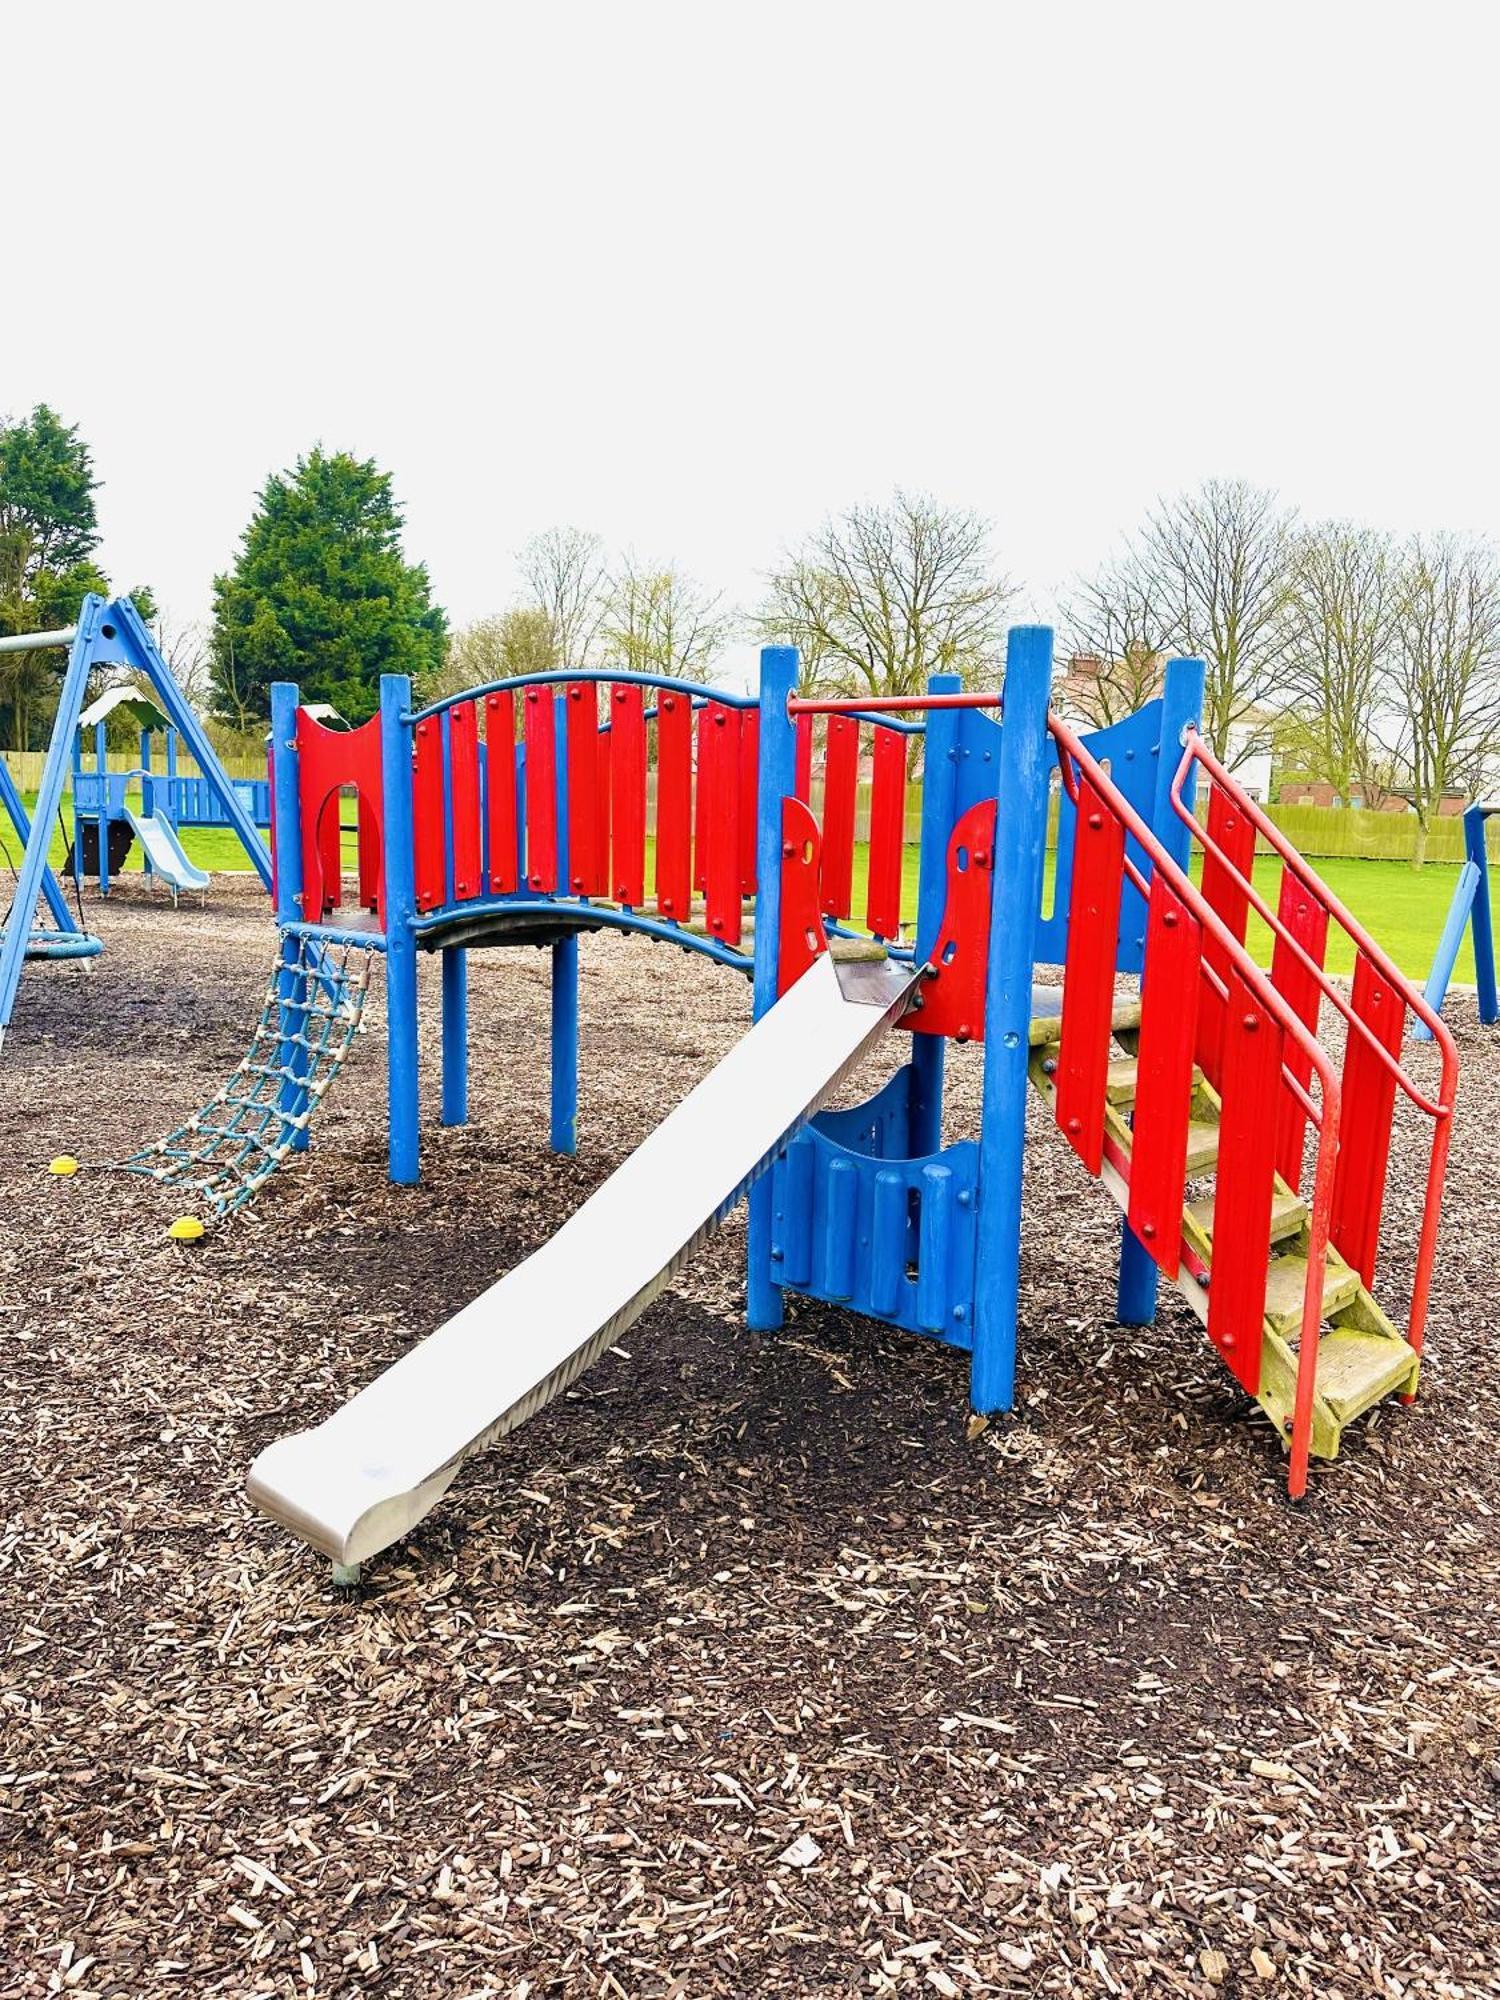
(1224, 889)
(718, 763)
(802, 785)
(326, 760)
(749, 783)
(463, 771)
(627, 778)
(674, 806)
(601, 760)
(887, 833)
(802, 939)
(840, 789)
(1089, 975)
(953, 1001)
(703, 785)
(1367, 1096)
(330, 845)
(1307, 920)
(500, 779)
(430, 861)
(539, 724)
(1164, 1075)
(1251, 1047)
(586, 876)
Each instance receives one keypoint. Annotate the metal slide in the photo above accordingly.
(162, 848)
(365, 1478)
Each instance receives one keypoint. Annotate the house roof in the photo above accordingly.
(129, 700)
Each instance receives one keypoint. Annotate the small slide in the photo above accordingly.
(365, 1478)
(162, 848)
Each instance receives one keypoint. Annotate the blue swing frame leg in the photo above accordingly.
(455, 1035)
(1181, 705)
(564, 1110)
(402, 1076)
(1020, 850)
(765, 1308)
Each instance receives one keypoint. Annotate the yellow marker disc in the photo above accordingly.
(63, 1164)
(186, 1229)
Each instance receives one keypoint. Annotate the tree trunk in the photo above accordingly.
(1419, 845)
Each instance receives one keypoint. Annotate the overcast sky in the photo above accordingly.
(694, 276)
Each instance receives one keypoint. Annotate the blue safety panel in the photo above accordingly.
(858, 1224)
(1130, 752)
(976, 752)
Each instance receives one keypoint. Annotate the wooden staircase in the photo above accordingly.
(1362, 1357)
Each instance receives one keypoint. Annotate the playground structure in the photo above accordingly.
(108, 637)
(523, 812)
(1472, 911)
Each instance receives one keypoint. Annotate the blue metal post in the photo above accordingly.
(1020, 849)
(35, 875)
(1484, 920)
(776, 780)
(939, 811)
(101, 765)
(564, 1122)
(1181, 704)
(401, 941)
(291, 980)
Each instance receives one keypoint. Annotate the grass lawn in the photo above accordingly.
(1402, 907)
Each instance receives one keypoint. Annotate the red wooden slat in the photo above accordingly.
(1089, 975)
(1164, 1075)
(539, 724)
(585, 875)
(801, 939)
(803, 783)
(1367, 1097)
(702, 785)
(500, 779)
(1224, 890)
(749, 783)
(721, 822)
(627, 778)
(953, 1002)
(1251, 1048)
(887, 833)
(840, 788)
(463, 763)
(1307, 920)
(602, 817)
(430, 861)
(674, 806)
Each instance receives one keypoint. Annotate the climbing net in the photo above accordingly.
(313, 1005)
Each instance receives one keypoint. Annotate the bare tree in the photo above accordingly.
(517, 642)
(1443, 728)
(884, 596)
(1217, 565)
(565, 572)
(1118, 635)
(658, 621)
(184, 645)
(1340, 621)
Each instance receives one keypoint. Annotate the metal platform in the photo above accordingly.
(363, 1479)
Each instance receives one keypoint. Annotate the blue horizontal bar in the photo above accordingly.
(371, 940)
(561, 677)
(605, 915)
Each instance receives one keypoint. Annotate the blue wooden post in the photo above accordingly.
(401, 943)
(939, 811)
(171, 786)
(291, 980)
(148, 794)
(1181, 704)
(776, 779)
(1484, 919)
(76, 759)
(101, 765)
(1020, 849)
(564, 1112)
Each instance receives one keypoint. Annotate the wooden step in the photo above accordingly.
(1121, 1083)
(1202, 1146)
(1046, 1015)
(1288, 1213)
(1286, 1282)
(1356, 1369)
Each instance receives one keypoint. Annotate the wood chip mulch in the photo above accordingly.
(741, 1670)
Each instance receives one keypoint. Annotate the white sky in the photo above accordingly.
(694, 276)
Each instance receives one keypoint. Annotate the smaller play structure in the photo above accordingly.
(1471, 911)
(109, 637)
(1249, 1159)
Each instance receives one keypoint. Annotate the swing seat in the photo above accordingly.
(61, 944)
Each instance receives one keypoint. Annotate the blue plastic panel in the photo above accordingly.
(1130, 752)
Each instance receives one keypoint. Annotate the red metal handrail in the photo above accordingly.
(1195, 750)
(1326, 1120)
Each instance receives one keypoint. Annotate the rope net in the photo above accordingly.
(313, 1005)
